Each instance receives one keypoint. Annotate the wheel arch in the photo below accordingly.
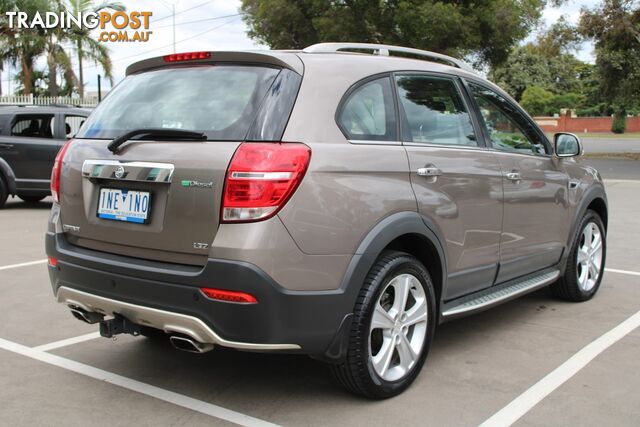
(595, 199)
(404, 231)
(600, 207)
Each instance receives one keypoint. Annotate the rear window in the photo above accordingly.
(368, 113)
(220, 101)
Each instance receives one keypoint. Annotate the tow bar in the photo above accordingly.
(118, 325)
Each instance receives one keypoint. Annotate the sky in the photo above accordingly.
(216, 25)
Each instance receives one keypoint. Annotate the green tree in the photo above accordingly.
(57, 56)
(86, 45)
(484, 30)
(21, 47)
(615, 28)
(548, 63)
(38, 83)
(537, 101)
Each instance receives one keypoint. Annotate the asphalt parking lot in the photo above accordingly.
(534, 361)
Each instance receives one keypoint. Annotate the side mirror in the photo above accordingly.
(567, 145)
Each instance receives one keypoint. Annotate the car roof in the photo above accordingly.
(326, 58)
(42, 109)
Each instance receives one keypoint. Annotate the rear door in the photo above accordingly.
(535, 187)
(30, 149)
(174, 186)
(457, 182)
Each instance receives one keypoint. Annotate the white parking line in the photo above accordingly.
(23, 264)
(137, 386)
(68, 341)
(530, 398)
(614, 270)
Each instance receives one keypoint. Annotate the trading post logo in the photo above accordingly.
(126, 26)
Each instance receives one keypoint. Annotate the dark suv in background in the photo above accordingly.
(30, 138)
(324, 202)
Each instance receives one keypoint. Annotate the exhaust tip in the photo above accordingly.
(187, 344)
(85, 316)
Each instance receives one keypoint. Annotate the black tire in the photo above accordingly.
(568, 287)
(4, 192)
(31, 199)
(356, 373)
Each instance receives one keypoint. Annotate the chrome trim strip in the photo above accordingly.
(133, 171)
(510, 292)
(263, 176)
(448, 146)
(371, 142)
(165, 320)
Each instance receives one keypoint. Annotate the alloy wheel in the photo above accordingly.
(589, 256)
(398, 327)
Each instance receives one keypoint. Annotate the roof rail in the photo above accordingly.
(386, 50)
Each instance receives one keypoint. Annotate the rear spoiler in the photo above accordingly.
(279, 59)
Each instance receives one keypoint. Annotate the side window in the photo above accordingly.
(369, 113)
(72, 124)
(40, 126)
(434, 111)
(508, 129)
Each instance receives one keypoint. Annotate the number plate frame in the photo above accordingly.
(115, 218)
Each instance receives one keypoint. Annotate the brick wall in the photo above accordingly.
(566, 123)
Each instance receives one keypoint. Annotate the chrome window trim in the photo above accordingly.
(449, 146)
(373, 142)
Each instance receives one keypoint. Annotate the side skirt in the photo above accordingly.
(498, 294)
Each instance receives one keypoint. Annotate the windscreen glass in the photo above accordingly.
(220, 100)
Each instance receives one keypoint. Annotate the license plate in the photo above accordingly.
(124, 205)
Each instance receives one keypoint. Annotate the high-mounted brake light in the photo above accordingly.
(188, 56)
(56, 172)
(229, 296)
(261, 178)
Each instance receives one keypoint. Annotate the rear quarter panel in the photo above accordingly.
(348, 187)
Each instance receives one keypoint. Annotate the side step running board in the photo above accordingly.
(498, 294)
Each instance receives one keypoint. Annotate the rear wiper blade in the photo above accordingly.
(155, 133)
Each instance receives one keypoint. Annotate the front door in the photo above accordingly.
(535, 187)
(457, 181)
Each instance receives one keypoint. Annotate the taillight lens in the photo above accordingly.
(56, 172)
(229, 296)
(261, 178)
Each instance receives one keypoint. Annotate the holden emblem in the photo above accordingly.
(119, 172)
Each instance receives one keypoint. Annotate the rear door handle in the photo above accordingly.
(7, 146)
(513, 176)
(429, 171)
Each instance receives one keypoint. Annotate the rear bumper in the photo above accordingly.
(167, 296)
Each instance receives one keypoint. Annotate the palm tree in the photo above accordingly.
(22, 46)
(88, 47)
(57, 56)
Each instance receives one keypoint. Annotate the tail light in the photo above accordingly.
(261, 178)
(56, 172)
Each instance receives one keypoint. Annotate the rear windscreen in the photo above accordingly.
(218, 100)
